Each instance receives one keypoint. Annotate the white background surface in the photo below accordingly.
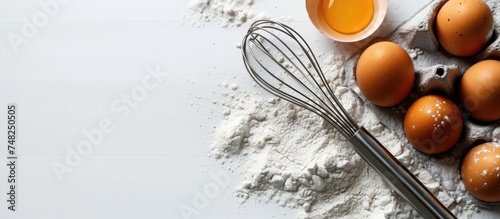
(66, 79)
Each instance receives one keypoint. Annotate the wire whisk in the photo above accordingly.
(281, 62)
(301, 81)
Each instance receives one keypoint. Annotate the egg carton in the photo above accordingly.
(436, 72)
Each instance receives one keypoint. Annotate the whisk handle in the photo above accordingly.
(398, 176)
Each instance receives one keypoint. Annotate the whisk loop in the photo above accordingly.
(302, 81)
(281, 62)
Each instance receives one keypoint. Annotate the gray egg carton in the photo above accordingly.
(437, 72)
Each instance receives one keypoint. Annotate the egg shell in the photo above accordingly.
(480, 90)
(481, 172)
(385, 73)
(463, 27)
(433, 124)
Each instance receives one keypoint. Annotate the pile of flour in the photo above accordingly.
(290, 156)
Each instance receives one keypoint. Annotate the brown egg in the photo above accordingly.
(480, 90)
(433, 124)
(385, 74)
(463, 27)
(481, 172)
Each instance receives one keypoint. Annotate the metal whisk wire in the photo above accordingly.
(266, 39)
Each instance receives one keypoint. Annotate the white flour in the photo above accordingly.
(290, 156)
(228, 13)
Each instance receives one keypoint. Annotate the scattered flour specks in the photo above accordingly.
(228, 13)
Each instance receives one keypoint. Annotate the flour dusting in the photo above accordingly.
(228, 13)
(290, 156)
